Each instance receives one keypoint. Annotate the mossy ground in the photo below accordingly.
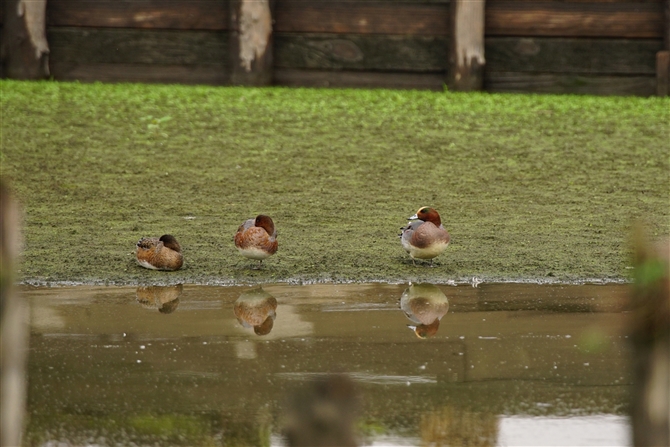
(529, 186)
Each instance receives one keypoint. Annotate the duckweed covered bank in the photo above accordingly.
(530, 187)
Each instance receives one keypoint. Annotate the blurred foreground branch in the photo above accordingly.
(13, 328)
(650, 334)
(322, 413)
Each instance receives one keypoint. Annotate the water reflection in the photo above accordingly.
(163, 298)
(256, 308)
(424, 305)
(451, 426)
(508, 353)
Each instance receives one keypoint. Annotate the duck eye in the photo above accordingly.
(423, 210)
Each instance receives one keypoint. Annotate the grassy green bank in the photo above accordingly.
(530, 187)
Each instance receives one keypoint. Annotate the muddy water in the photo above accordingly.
(201, 366)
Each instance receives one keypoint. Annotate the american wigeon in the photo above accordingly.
(162, 253)
(257, 238)
(424, 305)
(425, 238)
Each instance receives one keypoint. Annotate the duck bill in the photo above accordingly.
(417, 333)
(414, 217)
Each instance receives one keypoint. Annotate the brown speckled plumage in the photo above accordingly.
(162, 253)
(257, 238)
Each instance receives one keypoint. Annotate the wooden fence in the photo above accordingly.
(572, 46)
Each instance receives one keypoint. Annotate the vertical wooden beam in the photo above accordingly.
(251, 42)
(466, 55)
(25, 51)
(663, 57)
(662, 72)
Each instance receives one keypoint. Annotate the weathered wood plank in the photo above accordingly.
(466, 49)
(666, 25)
(167, 14)
(24, 49)
(576, 1)
(251, 42)
(662, 73)
(154, 73)
(572, 55)
(132, 46)
(356, 79)
(566, 83)
(355, 17)
(569, 19)
(361, 52)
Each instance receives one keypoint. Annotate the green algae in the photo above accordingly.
(531, 187)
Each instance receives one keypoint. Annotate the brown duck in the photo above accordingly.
(162, 253)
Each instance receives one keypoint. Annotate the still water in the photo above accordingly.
(499, 364)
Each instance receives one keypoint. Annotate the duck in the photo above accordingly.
(425, 237)
(257, 238)
(162, 253)
(424, 305)
(256, 308)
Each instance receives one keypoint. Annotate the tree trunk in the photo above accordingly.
(466, 55)
(251, 42)
(25, 51)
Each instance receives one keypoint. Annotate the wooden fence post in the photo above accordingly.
(663, 58)
(250, 42)
(662, 72)
(466, 55)
(25, 51)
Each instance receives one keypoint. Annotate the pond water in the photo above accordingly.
(499, 364)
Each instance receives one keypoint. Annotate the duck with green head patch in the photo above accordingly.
(425, 237)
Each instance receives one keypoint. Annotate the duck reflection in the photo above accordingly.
(256, 308)
(163, 298)
(424, 305)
